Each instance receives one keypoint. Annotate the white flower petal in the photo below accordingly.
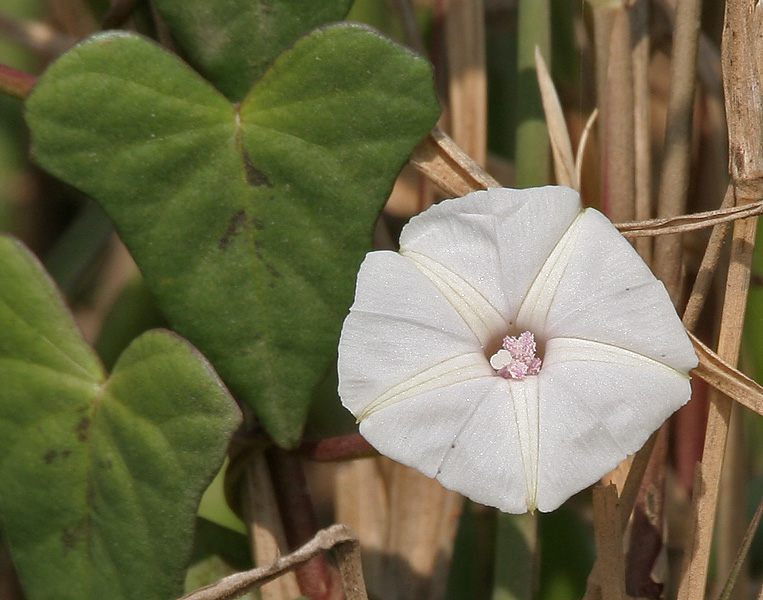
(413, 355)
(399, 327)
(465, 435)
(496, 240)
(476, 311)
(601, 290)
(598, 404)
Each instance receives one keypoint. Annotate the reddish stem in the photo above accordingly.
(16, 83)
(317, 579)
(346, 447)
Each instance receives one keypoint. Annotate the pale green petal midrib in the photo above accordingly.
(585, 350)
(464, 367)
(525, 396)
(482, 318)
(536, 305)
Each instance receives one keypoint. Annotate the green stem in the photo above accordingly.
(532, 145)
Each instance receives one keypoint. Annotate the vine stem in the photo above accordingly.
(317, 578)
(16, 83)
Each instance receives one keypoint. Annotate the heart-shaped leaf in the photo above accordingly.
(248, 222)
(101, 477)
(232, 42)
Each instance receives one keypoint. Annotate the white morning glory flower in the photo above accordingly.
(516, 348)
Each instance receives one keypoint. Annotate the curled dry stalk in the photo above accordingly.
(338, 537)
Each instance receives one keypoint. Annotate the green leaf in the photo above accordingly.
(232, 42)
(101, 477)
(249, 224)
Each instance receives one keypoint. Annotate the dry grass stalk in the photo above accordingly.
(743, 109)
(561, 147)
(362, 502)
(425, 518)
(423, 515)
(603, 12)
(626, 502)
(641, 120)
(263, 521)
(618, 170)
(608, 534)
(339, 537)
(732, 321)
(406, 522)
(467, 85)
(674, 180)
(732, 508)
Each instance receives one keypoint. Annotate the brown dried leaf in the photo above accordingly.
(441, 160)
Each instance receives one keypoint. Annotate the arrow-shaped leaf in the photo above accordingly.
(101, 477)
(248, 221)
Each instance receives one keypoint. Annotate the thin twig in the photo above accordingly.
(690, 222)
(336, 536)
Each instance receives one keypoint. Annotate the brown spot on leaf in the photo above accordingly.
(258, 246)
(235, 225)
(254, 176)
(50, 456)
(83, 429)
(258, 224)
(71, 536)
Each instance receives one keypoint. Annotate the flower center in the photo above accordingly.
(516, 359)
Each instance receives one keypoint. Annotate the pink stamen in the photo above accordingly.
(517, 360)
